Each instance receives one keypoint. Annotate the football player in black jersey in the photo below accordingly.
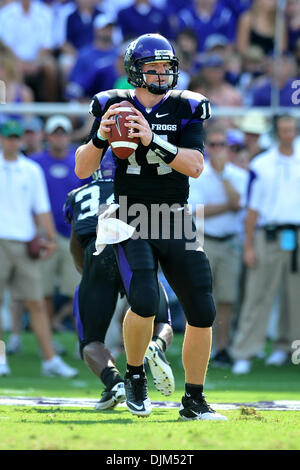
(169, 124)
(97, 296)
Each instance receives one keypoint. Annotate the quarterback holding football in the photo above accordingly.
(166, 127)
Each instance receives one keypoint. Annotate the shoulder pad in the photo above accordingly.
(71, 195)
(199, 104)
(95, 108)
(80, 188)
(100, 101)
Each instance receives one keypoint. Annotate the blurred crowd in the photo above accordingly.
(69, 50)
(62, 51)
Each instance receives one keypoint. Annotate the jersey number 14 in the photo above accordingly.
(135, 169)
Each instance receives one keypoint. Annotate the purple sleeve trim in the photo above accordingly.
(184, 122)
(193, 104)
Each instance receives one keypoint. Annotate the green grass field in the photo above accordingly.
(57, 428)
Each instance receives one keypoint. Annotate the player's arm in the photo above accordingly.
(192, 142)
(87, 160)
(233, 201)
(76, 251)
(250, 225)
(190, 162)
(45, 221)
(256, 196)
(216, 209)
(88, 155)
(186, 159)
(75, 246)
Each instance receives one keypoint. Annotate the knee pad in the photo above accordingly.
(144, 293)
(203, 313)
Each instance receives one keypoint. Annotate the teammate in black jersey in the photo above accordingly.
(96, 298)
(169, 125)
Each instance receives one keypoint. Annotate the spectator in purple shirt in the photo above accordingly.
(237, 7)
(292, 12)
(113, 75)
(208, 17)
(263, 92)
(79, 25)
(58, 163)
(78, 32)
(297, 57)
(102, 53)
(186, 51)
(143, 17)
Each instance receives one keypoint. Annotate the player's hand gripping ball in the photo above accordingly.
(121, 144)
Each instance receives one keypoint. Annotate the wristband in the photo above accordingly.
(99, 135)
(163, 149)
(99, 142)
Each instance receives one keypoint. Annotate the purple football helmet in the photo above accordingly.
(150, 48)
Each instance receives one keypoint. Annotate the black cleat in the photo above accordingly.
(110, 398)
(191, 409)
(137, 399)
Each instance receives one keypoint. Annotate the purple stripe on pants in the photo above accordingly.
(76, 314)
(125, 269)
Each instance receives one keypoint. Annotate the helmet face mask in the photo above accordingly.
(151, 48)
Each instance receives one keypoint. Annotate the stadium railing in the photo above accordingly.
(80, 109)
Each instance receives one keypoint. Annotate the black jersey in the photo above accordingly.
(178, 118)
(82, 205)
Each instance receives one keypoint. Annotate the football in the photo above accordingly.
(121, 144)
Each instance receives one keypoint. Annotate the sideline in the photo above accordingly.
(278, 405)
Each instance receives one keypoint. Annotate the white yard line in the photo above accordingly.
(277, 405)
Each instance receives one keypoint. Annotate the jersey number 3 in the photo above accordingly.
(90, 205)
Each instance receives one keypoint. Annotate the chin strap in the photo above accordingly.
(157, 90)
